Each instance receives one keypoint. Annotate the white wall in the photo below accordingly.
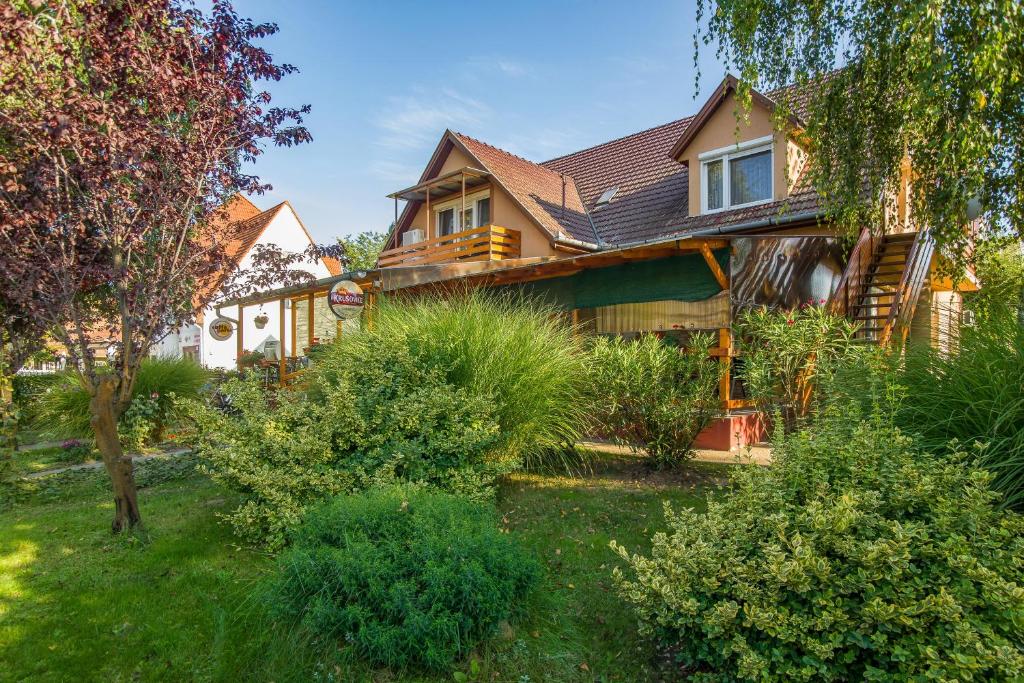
(285, 232)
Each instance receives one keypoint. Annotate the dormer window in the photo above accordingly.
(737, 176)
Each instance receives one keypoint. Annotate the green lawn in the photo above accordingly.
(78, 604)
(37, 459)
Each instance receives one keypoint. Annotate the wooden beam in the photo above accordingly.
(371, 301)
(716, 269)
(725, 383)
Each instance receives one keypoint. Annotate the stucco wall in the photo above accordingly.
(285, 232)
(720, 130)
(504, 211)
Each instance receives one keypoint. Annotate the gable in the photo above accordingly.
(525, 196)
(720, 130)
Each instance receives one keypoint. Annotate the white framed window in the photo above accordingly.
(737, 176)
(449, 217)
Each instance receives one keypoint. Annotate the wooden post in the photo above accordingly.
(428, 213)
(463, 216)
(371, 301)
(339, 328)
(282, 366)
(309, 321)
(725, 384)
(238, 343)
(575, 322)
(295, 330)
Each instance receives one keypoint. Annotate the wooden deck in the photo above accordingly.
(486, 243)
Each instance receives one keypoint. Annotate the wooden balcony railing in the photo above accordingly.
(486, 243)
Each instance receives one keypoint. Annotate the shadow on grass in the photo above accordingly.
(181, 601)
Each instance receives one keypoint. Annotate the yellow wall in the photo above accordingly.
(504, 211)
(720, 130)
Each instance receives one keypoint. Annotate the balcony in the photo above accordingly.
(486, 243)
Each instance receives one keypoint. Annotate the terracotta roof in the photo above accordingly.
(652, 197)
(242, 223)
(333, 265)
(650, 182)
(536, 188)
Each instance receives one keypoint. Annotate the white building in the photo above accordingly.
(248, 227)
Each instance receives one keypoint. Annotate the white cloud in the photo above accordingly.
(395, 171)
(512, 69)
(542, 144)
(417, 120)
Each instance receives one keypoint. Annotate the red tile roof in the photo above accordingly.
(538, 189)
(651, 183)
(241, 223)
(652, 199)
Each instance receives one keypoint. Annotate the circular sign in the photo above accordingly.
(221, 328)
(346, 299)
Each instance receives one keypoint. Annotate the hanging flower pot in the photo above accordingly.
(261, 321)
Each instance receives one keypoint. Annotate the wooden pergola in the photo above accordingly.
(481, 274)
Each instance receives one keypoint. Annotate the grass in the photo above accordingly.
(39, 459)
(974, 395)
(63, 410)
(517, 352)
(77, 604)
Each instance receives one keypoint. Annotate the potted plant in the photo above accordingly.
(261, 320)
(250, 359)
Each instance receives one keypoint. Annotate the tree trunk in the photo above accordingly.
(8, 414)
(119, 466)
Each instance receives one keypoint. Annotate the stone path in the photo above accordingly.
(759, 455)
(38, 446)
(136, 457)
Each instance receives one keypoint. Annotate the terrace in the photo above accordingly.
(455, 223)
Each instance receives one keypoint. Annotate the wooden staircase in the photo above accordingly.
(882, 282)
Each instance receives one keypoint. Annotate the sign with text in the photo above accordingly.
(346, 299)
(221, 328)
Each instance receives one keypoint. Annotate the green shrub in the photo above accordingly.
(62, 410)
(377, 418)
(27, 390)
(518, 353)
(787, 354)
(653, 395)
(974, 393)
(855, 557)
(406, 577)
(74, 451)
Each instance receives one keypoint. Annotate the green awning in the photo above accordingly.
(681, 278)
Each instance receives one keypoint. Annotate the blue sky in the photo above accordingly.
(536, 78)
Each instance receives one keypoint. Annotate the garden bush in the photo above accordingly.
(74, 451)
(517, 352)
(62, 410)
(786, 355)
(653, 395)
(375, 418)
(405, 576)
(856, 556)
(973, 393)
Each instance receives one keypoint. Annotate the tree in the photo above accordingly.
(942, 83)
(363, 249)
(123, 125)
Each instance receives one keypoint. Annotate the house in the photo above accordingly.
(245, 226)
(669, 230)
